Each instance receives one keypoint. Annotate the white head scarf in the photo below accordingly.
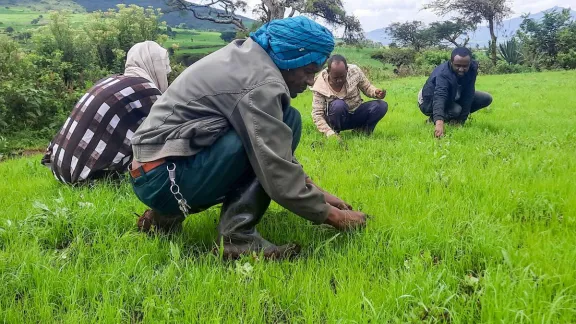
(150, 61)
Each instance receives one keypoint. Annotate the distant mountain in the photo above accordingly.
(482, 34)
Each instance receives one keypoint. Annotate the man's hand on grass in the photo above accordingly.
(439, 129)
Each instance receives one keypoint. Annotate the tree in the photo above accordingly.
(226, 12)
(567, 38)
(69, 46)
(452, 32)
(22, 36)
(217, 11)
(476, 11)
(413, 34)
(9, 30)
(396, 56)
(114, 32)
(333, 13)
(228, 36)
(171, 33)
(546, 35)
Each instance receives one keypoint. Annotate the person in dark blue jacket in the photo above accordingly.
(449, 95)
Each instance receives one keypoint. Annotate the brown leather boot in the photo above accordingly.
(241, 211)
(152, 221)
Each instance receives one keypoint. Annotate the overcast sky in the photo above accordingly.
(374, 14)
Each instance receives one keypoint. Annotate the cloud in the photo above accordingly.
(360, 13)
(374, 14)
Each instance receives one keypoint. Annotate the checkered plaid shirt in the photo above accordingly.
(96, 136)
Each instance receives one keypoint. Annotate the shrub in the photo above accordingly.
(30, 97)
(433, 57)
(485, 65)
(567, 60)
(504, 68)
(228, 36)
(71, 46)
(114, 32)
(396, 56)
(177, 69)
(510, 51)
(424, 69)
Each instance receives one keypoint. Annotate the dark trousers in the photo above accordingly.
(364, 118)
(454, 111)
(207, 177)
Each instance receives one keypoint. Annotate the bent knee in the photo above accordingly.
(489, 99)
(338, 106)
(381, 108)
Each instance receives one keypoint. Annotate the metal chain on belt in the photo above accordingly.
(175, 189)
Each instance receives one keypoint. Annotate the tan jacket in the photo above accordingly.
(356, 81)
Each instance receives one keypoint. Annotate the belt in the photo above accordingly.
(136, 167)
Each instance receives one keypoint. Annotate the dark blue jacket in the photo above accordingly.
(441, 88)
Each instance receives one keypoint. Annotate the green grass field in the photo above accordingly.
(374, 69)
(192, 41)
(189, 41)
(476, 227)
(21, 19)
(359, 56)
(41, 5)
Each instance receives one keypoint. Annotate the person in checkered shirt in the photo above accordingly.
(94, 142)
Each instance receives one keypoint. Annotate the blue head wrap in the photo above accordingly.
(295, 42)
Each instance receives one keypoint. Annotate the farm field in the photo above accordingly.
(192, 41)
(476, 227)
(20, 19)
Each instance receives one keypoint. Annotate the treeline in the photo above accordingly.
(549, 43)
(43, 74)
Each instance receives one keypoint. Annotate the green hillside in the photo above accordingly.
(25, 19)
(171, 18)
(42, 5)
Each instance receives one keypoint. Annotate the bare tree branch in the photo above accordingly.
(331, 11)
(226, 15)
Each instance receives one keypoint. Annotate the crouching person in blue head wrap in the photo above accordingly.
(224, 132)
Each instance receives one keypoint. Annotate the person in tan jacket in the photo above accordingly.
(337, 103)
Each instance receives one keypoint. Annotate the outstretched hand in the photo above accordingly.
(380, 94)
